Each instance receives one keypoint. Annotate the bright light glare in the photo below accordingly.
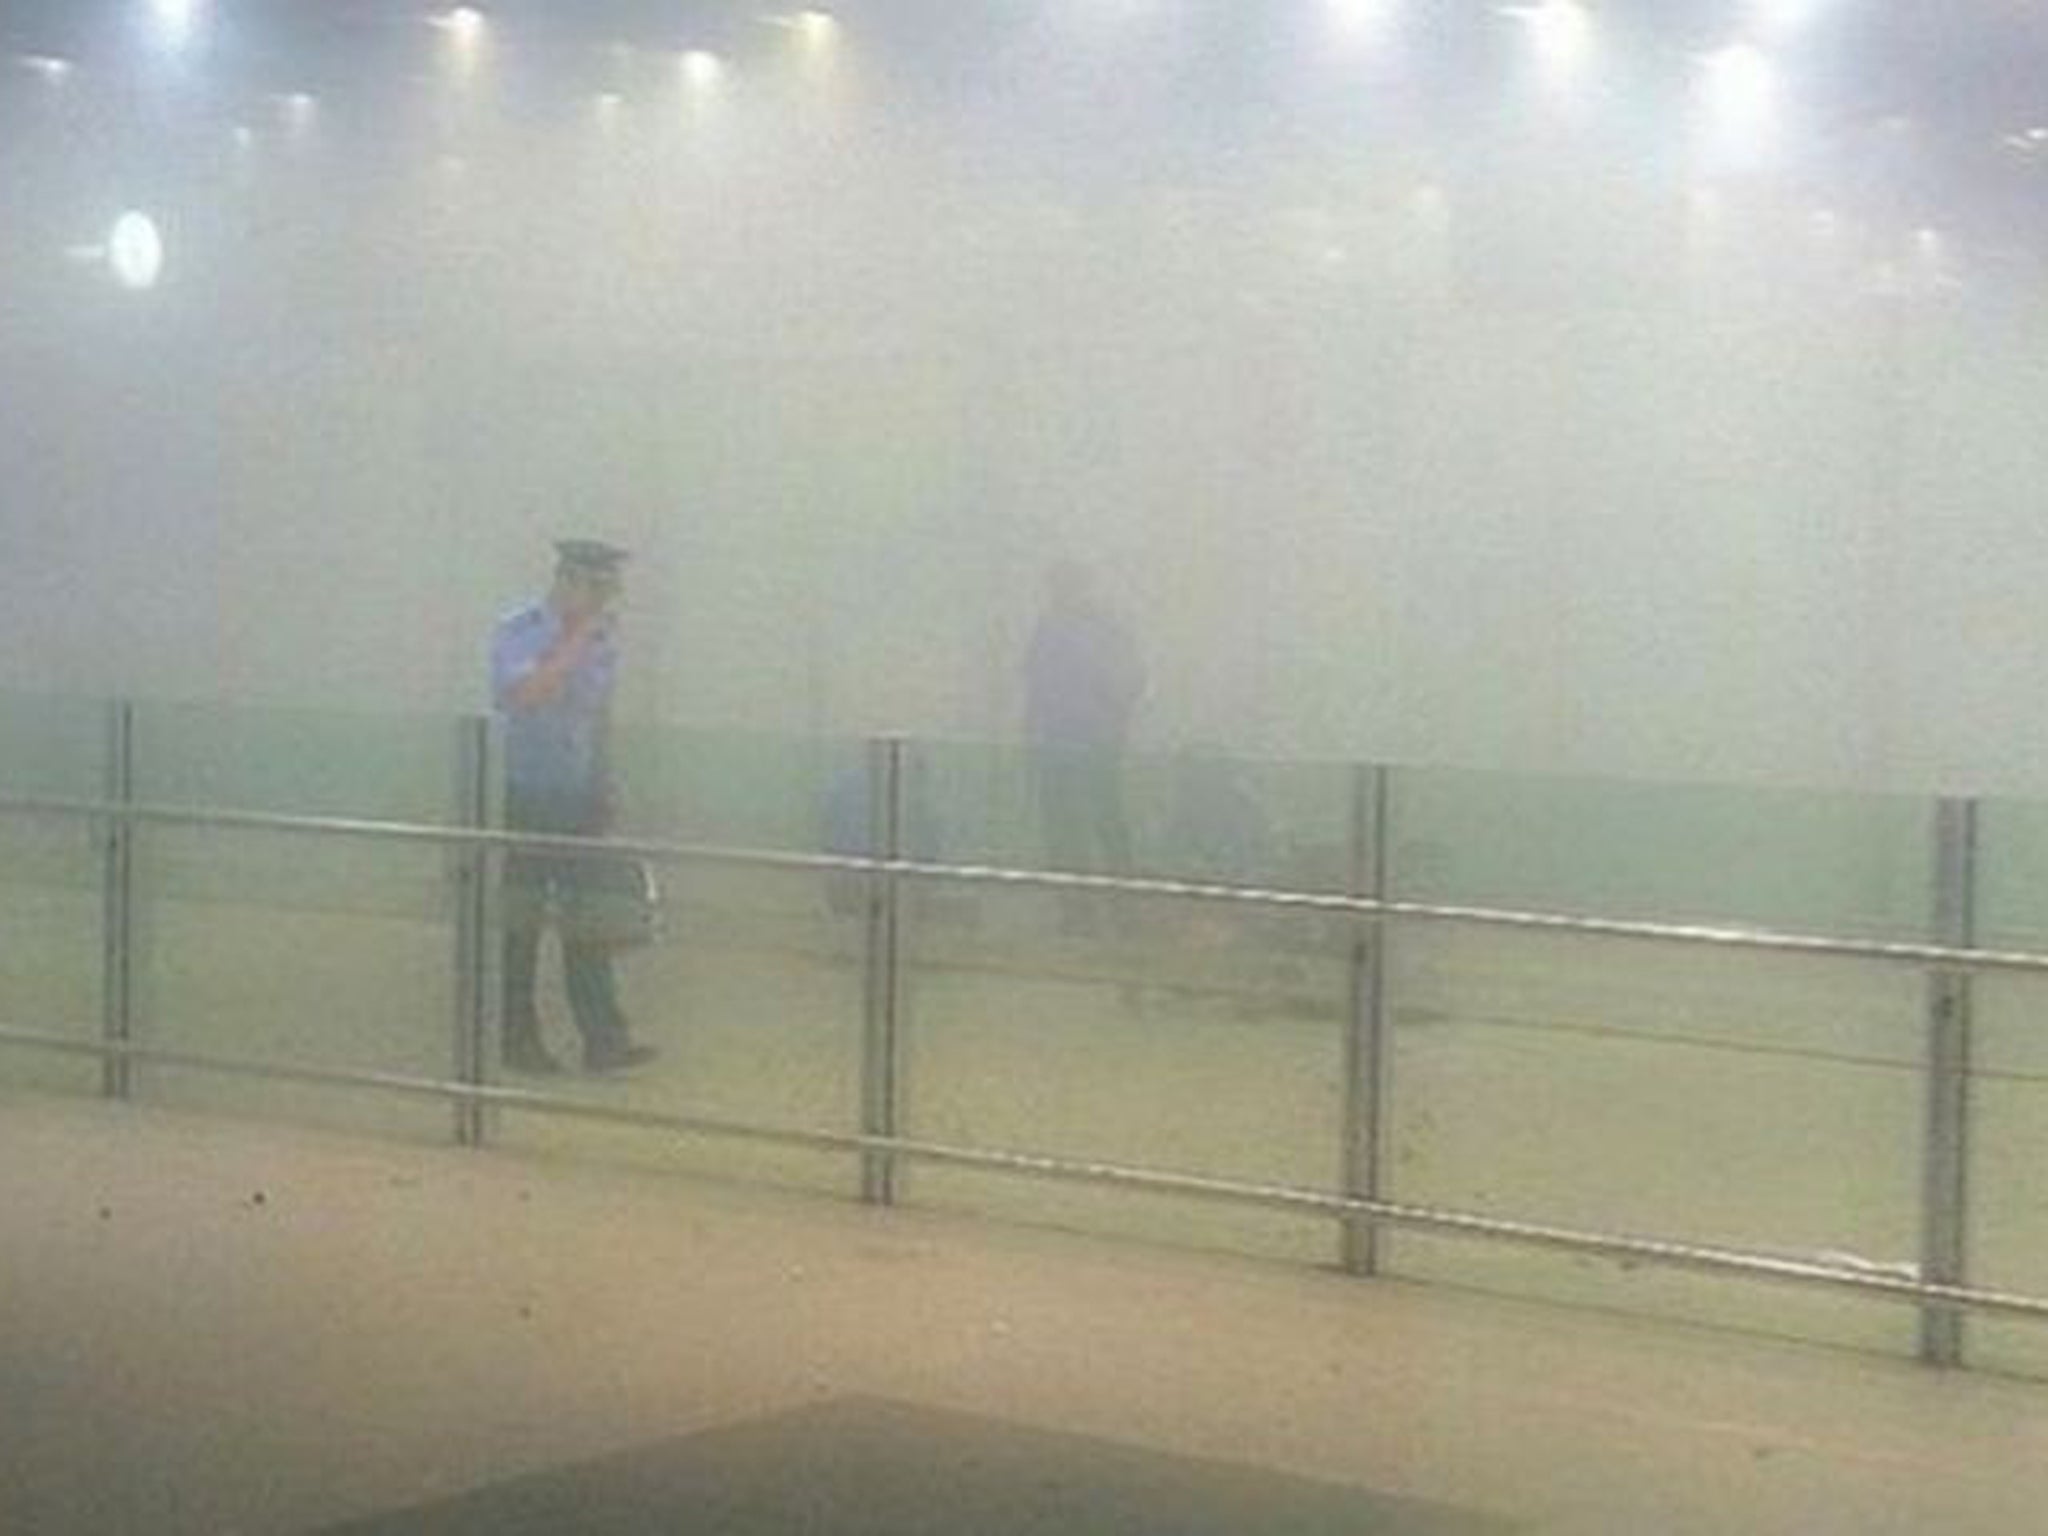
(135, 251)
(175, 20)
(1739, 91)
(1782, 18)
(701, 69)
(1740, 79)
(1561, 32)
(1358, 23)
(466, 32)
(1933, 264)
(465, 24)
(299, 110)
(815, 30)
(50, 67)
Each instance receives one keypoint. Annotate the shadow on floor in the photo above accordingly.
(869, 1467)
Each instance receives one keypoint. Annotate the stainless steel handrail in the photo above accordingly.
(1762, 940)
(1900, 1282)
(1872, 1280)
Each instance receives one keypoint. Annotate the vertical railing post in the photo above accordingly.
(1365, 1036)
(1945, 1167)
(879, 1040)
(117, 920)
(476, 885)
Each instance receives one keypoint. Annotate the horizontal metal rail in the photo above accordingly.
(1871, 1281)
(1756, 940)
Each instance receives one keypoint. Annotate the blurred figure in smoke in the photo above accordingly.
(1083, 681)
(553, 666)
(1219, 832)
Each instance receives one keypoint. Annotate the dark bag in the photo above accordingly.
(612, 902)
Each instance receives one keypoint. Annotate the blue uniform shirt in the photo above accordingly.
(555, 752)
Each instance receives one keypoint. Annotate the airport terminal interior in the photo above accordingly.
(1023, 766)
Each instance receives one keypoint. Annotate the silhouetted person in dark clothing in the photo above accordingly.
(1083, 683)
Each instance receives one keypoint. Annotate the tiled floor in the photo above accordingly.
(211, 1326)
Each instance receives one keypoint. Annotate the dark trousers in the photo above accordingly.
(591, 985)
(586, 966)
(1081, 802)
(1081, 806)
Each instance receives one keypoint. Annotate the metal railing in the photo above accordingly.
(1935, 1281)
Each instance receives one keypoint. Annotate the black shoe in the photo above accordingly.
(618, 1058)
(531, 1059)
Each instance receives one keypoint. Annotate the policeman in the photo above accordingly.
(553, 667)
